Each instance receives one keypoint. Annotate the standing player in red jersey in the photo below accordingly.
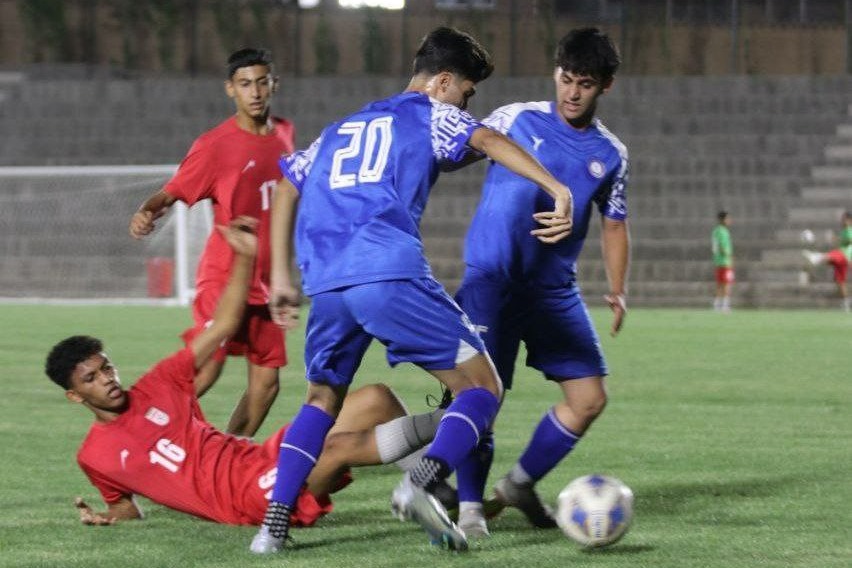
(153, 440)
(235, 165)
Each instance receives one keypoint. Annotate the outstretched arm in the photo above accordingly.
(240, 235)
(142, 222)
(283, 295)
(557, 223)
(615, 246)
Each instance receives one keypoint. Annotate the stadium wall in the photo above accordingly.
(755, 146)
(194, 37)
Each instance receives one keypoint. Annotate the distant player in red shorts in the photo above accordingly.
(235, 165)
(153, 440)
(838, 258)
(723, 261)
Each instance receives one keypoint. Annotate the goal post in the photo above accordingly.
(64, 235)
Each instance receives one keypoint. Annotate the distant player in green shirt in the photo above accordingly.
(839, 258)
(723, 260)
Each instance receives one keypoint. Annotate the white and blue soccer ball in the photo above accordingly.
(807, 236)
(595, 510)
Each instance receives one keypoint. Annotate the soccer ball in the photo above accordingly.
(595, 510)
(807, 236)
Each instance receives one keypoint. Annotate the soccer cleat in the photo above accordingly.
(490, 508)
(446, 495)
(412, 503)
(265, 543)
(524, 497)
(814, 258)
(473, 524)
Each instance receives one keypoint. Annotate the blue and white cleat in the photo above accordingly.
(412, 503)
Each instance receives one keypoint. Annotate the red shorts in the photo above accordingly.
(258, 338)
(838, 260)
(724, 275)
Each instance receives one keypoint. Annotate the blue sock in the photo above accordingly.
(472, 472)
(299, 451)
(469, 415)
(550, 443)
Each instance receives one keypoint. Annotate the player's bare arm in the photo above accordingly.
(284, 298)
(142, 221)
(124, 509)
(556, 224)
(615, 247)
(240, 235)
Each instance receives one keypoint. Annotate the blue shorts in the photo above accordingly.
(415, 319)
(553, 323)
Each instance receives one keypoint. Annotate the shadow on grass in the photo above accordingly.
(675, 498)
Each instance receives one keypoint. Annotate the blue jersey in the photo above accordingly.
(591, 162)
(363, 186)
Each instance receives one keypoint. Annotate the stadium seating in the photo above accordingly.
(776, 152)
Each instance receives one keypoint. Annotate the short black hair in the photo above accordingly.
(722, 215)
(247, 57)
(588, 51)
(67, 354)
(449, 49)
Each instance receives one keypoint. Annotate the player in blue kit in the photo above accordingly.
(361, 188)
(517, 289)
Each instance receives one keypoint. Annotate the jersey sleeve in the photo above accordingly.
(195, 177)
(612, 203)
(612, 198)
(110, 492)
(501, 119)
(451, 129)
(297, 166)
(178, 369)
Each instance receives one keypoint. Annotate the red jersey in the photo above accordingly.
(237, 171)
(162, 447)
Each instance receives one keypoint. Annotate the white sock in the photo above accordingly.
(408, 462)
(471, 508)
(399, 437)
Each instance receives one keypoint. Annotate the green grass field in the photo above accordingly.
(735, 433)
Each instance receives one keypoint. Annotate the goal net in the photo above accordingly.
(65, 237)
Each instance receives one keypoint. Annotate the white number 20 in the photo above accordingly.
(373, 147)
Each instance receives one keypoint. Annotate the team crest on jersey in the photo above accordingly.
(157, 416)
(597, 168)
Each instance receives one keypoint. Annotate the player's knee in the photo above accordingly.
(480, 372)
(376, 397)
(264, 378)
(590, 408)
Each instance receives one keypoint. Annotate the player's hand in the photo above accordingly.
(240, 234)
(90, 517)
(557, 223)
(618, 305)
(142, 223)
(284, 301)
(554, 227)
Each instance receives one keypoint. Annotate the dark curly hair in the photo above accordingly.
(588, 51)
(449, 49)
(67, 354)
